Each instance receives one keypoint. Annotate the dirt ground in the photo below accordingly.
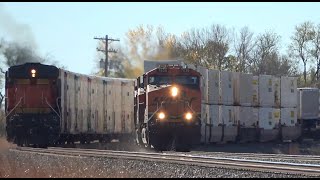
(4, 144)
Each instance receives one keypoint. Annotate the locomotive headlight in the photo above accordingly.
(33, 72)
(174, 91)
(161, 115)
(188, 116)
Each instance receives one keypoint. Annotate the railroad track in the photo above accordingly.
(205, 161)
(310, 158)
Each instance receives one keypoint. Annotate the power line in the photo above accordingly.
(106, 51)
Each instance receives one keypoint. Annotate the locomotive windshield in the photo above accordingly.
(184, 80)
(160, 80)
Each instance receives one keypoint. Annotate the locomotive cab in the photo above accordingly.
(169, 108)
(31, 105)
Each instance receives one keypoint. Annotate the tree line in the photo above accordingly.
(219, 47)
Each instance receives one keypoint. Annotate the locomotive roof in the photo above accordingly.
(21, 70)
(174, 67)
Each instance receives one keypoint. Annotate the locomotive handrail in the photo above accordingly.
(52, 108)
(58, 105)
(14, 107)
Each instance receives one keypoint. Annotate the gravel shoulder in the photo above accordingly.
(17, 164)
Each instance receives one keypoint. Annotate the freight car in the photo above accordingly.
(168, 108)
(47, 105)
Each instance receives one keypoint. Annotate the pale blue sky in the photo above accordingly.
(66, 30)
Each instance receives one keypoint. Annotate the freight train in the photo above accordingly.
(46, 105)
(169, 106)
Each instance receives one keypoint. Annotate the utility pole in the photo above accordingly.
(106, 51)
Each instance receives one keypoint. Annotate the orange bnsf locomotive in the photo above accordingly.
(31, 105)
(168, 108)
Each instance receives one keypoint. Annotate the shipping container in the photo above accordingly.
(214, 119)
(203, 84)
(244, 115)
(290, 129)
(288, 116)
(266, 92)
(308, 103)
(248, 129)
(213, 86)
(243, 90)
(255, 115)
(226, 88)
(228, 116)
(205, 123)
(277, 92)
(255, 91)
(269, 118)
(205, 113)
(288, 92)
(230, 125)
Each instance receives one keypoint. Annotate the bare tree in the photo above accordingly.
(192, 47)
(265, 50)
(301, 42)
(243, 46)
(207, 47)
(217, 45)
(315, 51)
